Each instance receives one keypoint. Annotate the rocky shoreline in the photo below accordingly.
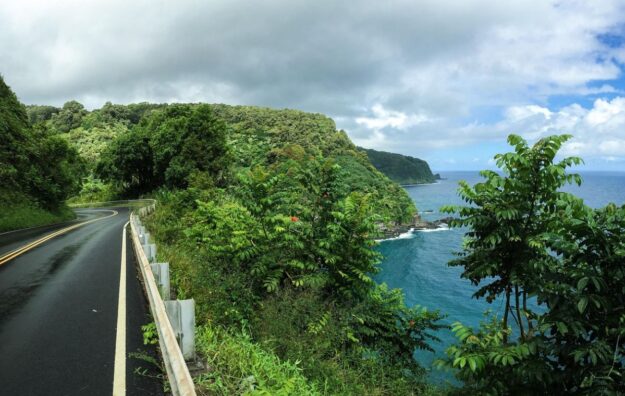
(394, 230)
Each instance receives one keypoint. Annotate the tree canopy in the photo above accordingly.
(43, 168)
(528, 240)
(167, 148)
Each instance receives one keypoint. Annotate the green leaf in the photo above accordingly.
(581, 304)
(581, 284)
(472, 364)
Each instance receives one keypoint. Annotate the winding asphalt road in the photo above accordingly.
(59, 308)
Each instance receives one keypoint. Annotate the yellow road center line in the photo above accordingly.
(17, 252)
(119, 372)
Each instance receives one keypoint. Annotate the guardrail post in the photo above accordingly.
(181, 314)
(150, 252)
(161, 275)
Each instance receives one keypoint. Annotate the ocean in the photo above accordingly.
(417, 262)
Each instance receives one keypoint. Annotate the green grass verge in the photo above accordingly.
(19, 215)
(238, 366)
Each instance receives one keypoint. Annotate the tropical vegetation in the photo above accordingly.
(32, 192)
(270, 227)
(558, 266)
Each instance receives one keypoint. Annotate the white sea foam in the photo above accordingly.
(406, 235)
(420, 184)
(440, 228)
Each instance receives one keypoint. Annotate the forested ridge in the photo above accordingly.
(253, 135)
(402, 169)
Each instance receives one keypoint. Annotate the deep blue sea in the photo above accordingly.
(417, 263)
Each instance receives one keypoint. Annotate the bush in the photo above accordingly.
(236, 365)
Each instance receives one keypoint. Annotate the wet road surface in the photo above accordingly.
(59, 311)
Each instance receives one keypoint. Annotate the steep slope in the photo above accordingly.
(402, 169)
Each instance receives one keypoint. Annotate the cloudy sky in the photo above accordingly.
(442, 80)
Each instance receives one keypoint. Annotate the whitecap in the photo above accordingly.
(406, 235)
(440, 228)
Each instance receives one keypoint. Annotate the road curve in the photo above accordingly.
(59, 303)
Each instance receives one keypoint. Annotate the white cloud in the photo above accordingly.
(383, 118)
(598, 132)
(403, 75)
(517, 113)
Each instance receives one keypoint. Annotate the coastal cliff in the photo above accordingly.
(400, 168)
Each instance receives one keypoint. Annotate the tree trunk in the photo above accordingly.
(530, 326)
(505, 316)
(518, 311)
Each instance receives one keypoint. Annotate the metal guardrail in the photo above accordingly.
(123, 202)
(180, 379)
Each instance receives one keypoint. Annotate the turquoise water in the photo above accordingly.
(418, 263)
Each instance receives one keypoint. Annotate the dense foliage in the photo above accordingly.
(528, 240)
(254, 136)
(37, 171)
(90, 132)
(165, 149)
(268, 220)
(402, 169)
(288, 258)
(261, 136)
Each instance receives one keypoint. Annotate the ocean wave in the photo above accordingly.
(406, 235)
(421, 184)
(441, 228)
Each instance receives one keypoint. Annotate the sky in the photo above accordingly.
(445, 81)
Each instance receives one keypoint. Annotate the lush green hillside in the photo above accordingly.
(261, 136)
(402, 169)
(255, 136)
(268, 219)
(90, 132)
(37, 171)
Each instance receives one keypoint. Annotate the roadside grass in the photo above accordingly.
(238, 366)
(254, 347)
(94, 190)
(19, 215)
